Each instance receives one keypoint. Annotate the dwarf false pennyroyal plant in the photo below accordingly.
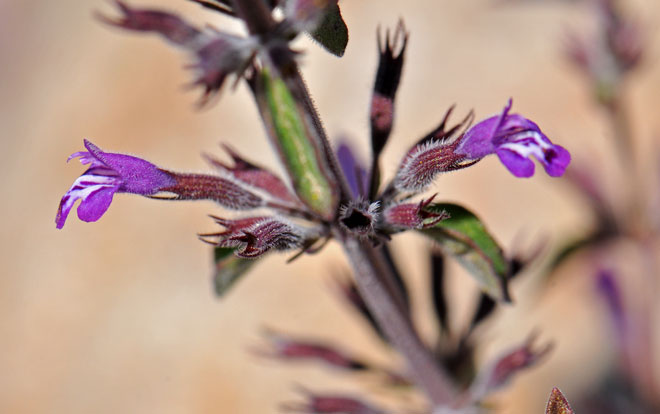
(322, 199)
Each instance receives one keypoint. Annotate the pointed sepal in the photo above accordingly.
(254, 236)
(388, 75)
(403, 216)
(256, 176)
(433, 154)
(558, 404)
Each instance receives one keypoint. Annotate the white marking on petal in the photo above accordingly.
(86, 185)
(529, 143)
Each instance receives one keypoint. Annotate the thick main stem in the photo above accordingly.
(371, 275)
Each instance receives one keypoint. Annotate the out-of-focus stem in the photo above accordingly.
(371, 275)
(621, 129)
(622, 133)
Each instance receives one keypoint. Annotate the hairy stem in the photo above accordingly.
(371, 277)
(259, 21)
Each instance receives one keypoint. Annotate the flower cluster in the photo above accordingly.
(328, 195)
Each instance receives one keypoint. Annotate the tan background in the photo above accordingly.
(118, 315)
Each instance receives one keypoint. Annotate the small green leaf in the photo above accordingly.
(228, 269)
(464, 237)
(332, 32)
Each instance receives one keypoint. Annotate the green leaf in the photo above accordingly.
(464, 237)
(332, 32)
(300, 151)
(228, 269)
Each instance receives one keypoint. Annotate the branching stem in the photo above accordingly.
(373, 277)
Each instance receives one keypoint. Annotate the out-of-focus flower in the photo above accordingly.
(332, 404)
(288, 348)
(305, 15)
(514, 139)
(500, 372)
(218, 54)
(109, 173)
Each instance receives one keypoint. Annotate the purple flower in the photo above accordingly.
(107, 174)
(514, 139)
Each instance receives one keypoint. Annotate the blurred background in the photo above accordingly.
(120, 316)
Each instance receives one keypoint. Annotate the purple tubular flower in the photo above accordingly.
(109, 173)
(514, 139)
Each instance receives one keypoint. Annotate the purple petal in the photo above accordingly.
(609, 288)
(137, 175)
(480, 140)
(355, 173)
(519, 166)
(96, 204)
(514, 139)
(556, 160)
(84, 187)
